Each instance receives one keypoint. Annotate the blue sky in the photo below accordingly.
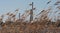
(11, 5)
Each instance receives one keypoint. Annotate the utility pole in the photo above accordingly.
(31, 12)
(19, 16)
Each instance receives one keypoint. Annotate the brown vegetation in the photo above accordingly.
(41, 25)
(23, 27)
